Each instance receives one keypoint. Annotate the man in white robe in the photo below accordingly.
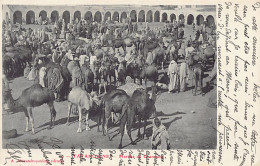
(173, 75)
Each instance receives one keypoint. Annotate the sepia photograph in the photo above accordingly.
(117, 76)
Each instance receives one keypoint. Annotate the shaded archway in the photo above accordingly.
(88, 16)
(149, 16)
(54, 16)
(164, 17)
(30, 17)
(98, 16)
(17, 17)
(157, 16)
(141, 16)
(210, 20)
(108, 16)
(200, 19)
(66, 17)
(181, 17)
(172, 17)
(115, 16)
(190, 19)
(123, 16)
(133, 16)
(43, 14)
(77, 15)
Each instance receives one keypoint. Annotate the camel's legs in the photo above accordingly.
(99, 90)
(122, 129)
(112, 117)
(144, 128)
(87, 125)
(69, 111)
(196, 84)
(80, 119)
(129, 126)
(162, 66)
(107, 115)
(140, 125)
(27, 121)
(29, 110)
(53, 113)
(105, 87)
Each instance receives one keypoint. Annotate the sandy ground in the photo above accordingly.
(189, 121)
(191, 124)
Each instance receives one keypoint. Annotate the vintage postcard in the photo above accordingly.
(130, 83)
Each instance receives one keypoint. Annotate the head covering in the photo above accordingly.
(157, 131)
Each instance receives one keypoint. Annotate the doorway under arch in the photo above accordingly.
(164, 17)
(88, 16)
(141, 16)
(200, 19)
(98, 16)
(133, 16)
(157, 16)
(54, 16)
(30, 17)
(43, 14)
(190, 19)
(115, 16)
(17, 17)
(149, 16)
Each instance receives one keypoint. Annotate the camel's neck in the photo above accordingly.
(16, 103)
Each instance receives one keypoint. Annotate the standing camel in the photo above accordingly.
(83, 100)
(112, 103)
(34, 96)
(197, 70)
(138, 104)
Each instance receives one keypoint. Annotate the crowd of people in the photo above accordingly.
(57, 45)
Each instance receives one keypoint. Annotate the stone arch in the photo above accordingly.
(210, 20)
(200, 19)
(98, 16)
(54, 16)
(172, 17)
(115, 16)
(149, 16)
(164, 17)
(123, 16)
(17, 17)
(108, 16)
(30, 17)
(181, 17)
(141, 16)
(190, 19)
(157, 16)
(66, 16)
(77, 15)
(88, 16)
(133, 16)
(43, 14)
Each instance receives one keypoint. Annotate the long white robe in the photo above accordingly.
(173, 75)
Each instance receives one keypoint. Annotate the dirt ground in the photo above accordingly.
(190, 123)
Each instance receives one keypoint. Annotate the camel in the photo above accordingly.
(113, 101)
(139, 104)
(34, 96)
(88, 77)
(198, 72)
(83, 100)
